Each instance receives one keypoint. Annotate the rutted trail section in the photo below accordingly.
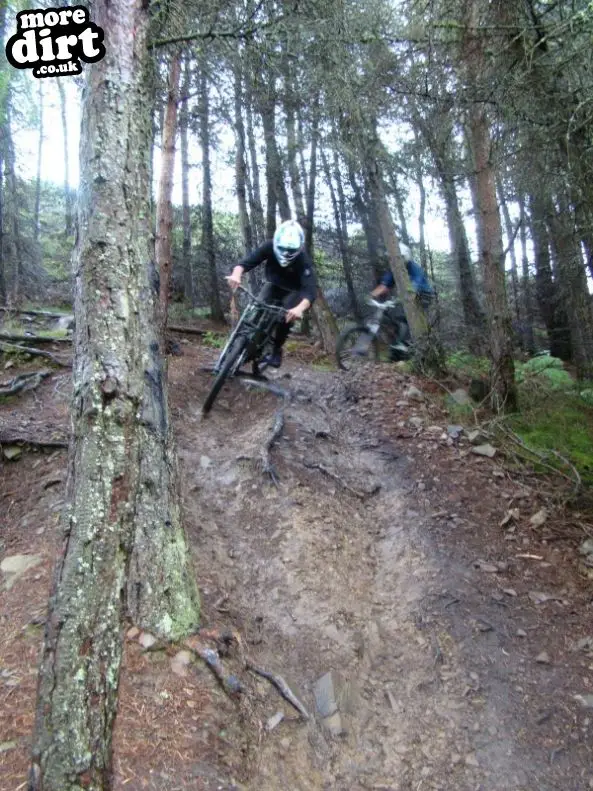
(332, 571)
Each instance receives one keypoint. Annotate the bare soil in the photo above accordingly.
(378, 556)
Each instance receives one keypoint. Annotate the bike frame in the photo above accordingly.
(256, 323)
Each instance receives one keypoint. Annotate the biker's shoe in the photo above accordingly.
(274, 360)
(398, 351)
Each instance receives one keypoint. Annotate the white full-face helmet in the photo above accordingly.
(405, 251)
(288, 242)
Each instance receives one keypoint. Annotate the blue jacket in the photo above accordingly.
(417, 276)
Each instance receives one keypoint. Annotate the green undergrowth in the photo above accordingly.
(178, 311)
(555, 417)
(214, 339)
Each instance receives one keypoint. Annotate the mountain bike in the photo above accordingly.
(363, 342)
(250, 341)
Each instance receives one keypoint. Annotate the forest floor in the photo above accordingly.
(460, 650)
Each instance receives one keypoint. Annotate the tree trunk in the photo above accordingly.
(123, 545)
(322, 315)
(342, 235)
(422, 218)
(241, 163)
(363, 215)
(186, 252)
(510, 232)
(310, 218)
(36, 227)
(473, 315)
(164, 207)
(256, 207)
(489, 229)
(292, 147)
(548, 301)
(68, 225)
(404, 236)
(12, 208)
(572, 286)
(502, 366)
(208, 248)
(529, 341)
(3, 121)
(427, 350)
(276, 188)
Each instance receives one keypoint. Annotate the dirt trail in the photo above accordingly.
(360, 562)
(337, 569)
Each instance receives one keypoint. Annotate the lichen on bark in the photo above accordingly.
(123, 548)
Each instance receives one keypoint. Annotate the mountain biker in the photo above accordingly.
(424, 292)
(290, 275)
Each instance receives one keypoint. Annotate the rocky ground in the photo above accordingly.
(429, 608)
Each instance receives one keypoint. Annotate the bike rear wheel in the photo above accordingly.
(354, 346)
(231, 359)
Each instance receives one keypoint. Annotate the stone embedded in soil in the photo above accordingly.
(15, 566)
(147, 640)
(461, 396)
(454, 431)
(6, 746)
(543, 658)
(484, 450)
(586, 547)
(12, 452)
(521, 633)
(471, 760)
(179, 663)
(586, 701)
(413, 394)
(416, 422)
(539, 518)
(205, 462)
(325, 695)
(132, 632)
(274, 721)
(334, 724)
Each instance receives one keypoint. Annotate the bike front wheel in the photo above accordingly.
(354, 346)
(231, 361)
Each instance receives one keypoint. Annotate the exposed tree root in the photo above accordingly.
(39, 339)
(230, 683)
(23, 382)
(13, 348)
(10, 435)
(46, 313)
(361, 495)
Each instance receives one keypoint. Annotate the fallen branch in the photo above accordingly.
(13, 348)
(47, 313)
(361, 495)
(23, 382)
(187, 330)
(40, 339)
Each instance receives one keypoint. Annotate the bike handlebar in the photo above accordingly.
(259, 301)
(390, 303)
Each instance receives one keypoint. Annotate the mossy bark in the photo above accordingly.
(123, 548)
